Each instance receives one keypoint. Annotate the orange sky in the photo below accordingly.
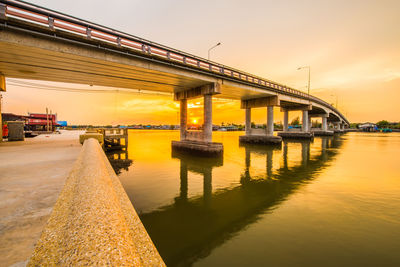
(353, 48)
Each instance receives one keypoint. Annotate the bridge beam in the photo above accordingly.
(208, 89)
(260, 102)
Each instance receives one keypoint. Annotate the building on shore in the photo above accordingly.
(368, 127)
(35, 122)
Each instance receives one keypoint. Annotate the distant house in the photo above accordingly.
(368, 127)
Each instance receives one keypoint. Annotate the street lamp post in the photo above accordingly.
(309, 75)
(211, 49)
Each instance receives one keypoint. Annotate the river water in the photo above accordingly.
(331, 202)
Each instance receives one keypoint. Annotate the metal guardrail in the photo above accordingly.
(56, 21)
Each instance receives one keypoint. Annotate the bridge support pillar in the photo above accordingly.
(324, 127)
(285, 120)
(324, 124)
(183, 115)
(270, 120)
(337, 127)
(248, 121)
(207, 129)
(304, 122)
(259, 136)
(305, 132)
(196, 141)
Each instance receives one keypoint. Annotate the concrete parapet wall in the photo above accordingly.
(98, 136)
(93, 222)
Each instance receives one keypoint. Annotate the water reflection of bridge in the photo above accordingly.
(190, 228)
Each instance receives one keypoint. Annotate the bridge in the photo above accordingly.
(42, 44)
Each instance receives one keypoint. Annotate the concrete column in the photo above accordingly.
(309, 124)
(207, 131)
(304, 122)
(248, 121)
(285, 120)
(270, 120)
(183, 109)
(324, 123)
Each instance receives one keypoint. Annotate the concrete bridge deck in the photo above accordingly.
(32, 174)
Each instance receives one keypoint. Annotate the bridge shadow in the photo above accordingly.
(191, 228)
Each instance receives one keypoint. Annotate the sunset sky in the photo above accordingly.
(353, 48)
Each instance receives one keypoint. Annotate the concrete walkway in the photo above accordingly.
(32, 174)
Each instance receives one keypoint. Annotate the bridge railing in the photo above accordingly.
(56, 21)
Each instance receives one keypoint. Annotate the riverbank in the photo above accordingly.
(32, 174)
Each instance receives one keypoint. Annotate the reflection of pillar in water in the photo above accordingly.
(184, 180)
(269, 163)
(285, 155)
(324, 145)
(247, 161)
(305, 152)
(246, 176)
(207, 187)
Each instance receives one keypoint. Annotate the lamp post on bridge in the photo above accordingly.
(212, 48)
(309, 75)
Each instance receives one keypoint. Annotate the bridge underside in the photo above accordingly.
(28, 57)
(50, 57)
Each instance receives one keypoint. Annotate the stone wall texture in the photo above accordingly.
(93, 221)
